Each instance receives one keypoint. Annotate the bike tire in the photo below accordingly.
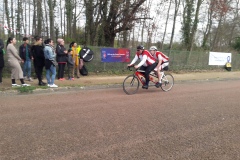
(130, 84)
(167, 82)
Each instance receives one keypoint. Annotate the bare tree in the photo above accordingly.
(207, 31)
(7, 15)
(220, 9)
(177, 3)
(51, 4)
(19, 14)
(189, 23)
(46, 18)
(166, 23)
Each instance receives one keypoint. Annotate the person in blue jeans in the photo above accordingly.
(26, 56)
(50, 62)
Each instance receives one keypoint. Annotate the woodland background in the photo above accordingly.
(169, 24)
(186, 30)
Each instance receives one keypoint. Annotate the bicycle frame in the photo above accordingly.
(131, 82)
(140, 74)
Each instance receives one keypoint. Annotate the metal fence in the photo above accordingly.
(179, 61)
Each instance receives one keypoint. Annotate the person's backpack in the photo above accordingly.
(83, 71)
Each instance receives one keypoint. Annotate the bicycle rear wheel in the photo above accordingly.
(130, 84)
(167, 82)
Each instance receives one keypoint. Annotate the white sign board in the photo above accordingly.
(219, 58)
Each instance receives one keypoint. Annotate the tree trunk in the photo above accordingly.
(19, 10)
(208, 27)
(34, 27)
(61, 19)
(177, 3)
(187, 22)
(46, 16)
(74, 27)
(215, 41)
(29, 16)
(7, 15)
(194, 27)
(166, 24)
(39, 17)
(51, 4)
(12, 18)
(25, 25)
(126, 33)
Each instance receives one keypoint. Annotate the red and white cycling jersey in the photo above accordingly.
(146, 59)
(150, 59)
(160, 56)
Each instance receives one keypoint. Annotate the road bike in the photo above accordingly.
(132, 82)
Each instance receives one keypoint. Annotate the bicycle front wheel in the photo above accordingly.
(130, 84)
(167, 82)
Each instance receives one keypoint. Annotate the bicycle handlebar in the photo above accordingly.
(129, 68)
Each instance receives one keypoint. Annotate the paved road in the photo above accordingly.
(194, 121)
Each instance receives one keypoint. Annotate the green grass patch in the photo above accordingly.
(25, 89)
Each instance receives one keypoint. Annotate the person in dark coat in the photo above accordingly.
(38, 59)
(1, 59)
(26, 55)
(62, 56)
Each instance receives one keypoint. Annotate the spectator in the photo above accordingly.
(26, 55)
(14, 61)
(50, 62)
(70, 64)
(38, 59)
(61, 58)
(1, 59)
(73, 45)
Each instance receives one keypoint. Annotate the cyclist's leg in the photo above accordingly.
(163, 66)
(158, 72)
(147, 72)
(143, 68)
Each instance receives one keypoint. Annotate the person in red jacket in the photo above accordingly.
(147, 63)
(163, 62)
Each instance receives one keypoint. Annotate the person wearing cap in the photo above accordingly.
(61, 58)
(147, 63)
(162, 63)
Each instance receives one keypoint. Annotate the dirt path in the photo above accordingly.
(93, 80)
(193, 121)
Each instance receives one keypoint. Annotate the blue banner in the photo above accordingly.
(115, 55)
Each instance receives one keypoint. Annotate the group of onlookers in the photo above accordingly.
(43, 54)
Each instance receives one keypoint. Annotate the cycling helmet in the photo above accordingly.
(140, 47)
(153, 48)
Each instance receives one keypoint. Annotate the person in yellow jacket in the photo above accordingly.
(75, 52)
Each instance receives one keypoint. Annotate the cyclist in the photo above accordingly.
(147, 63)
(162, 63)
